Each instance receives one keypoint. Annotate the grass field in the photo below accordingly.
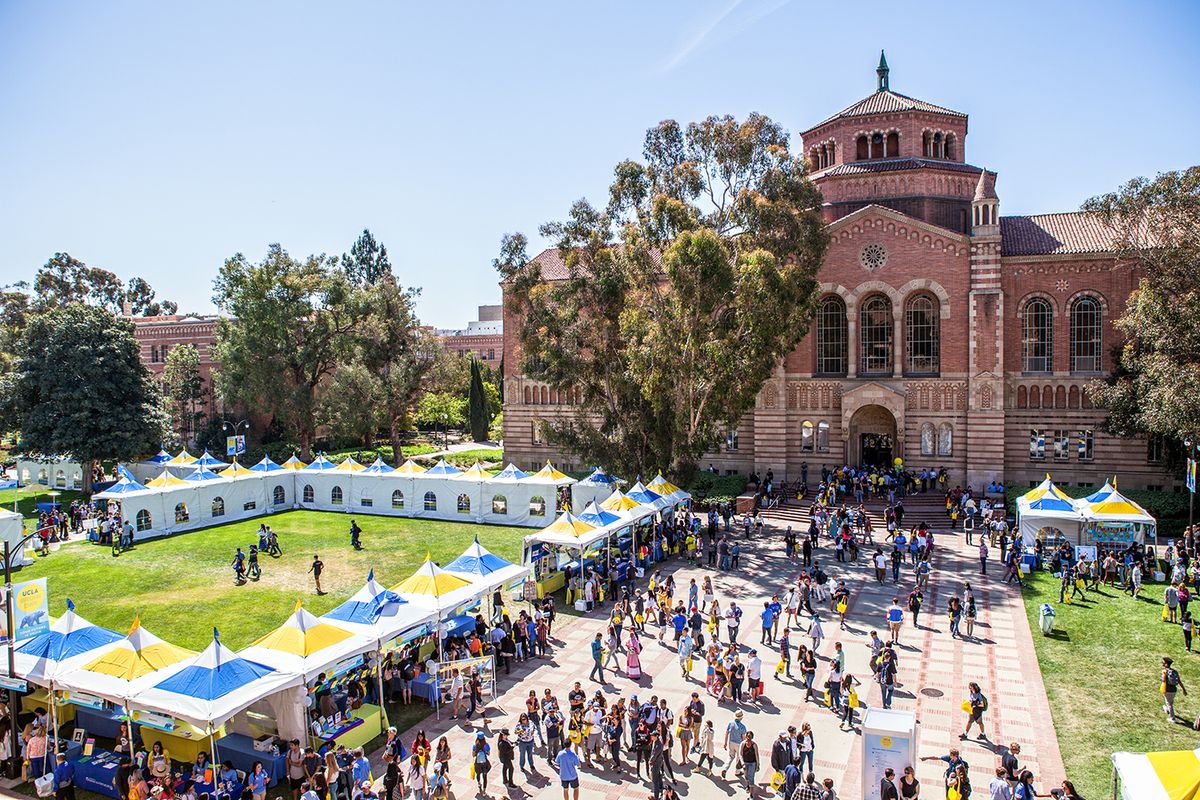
(29, 496)
(183, 586)
(1101, 666)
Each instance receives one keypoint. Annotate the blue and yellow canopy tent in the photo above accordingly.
(1167, 775)
(1047, 509)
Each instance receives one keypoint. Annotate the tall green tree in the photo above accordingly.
(183, 389)
(438, 410)
(79, 389)
(682, 295)
(477, 405)
(288, 324)
(64, 280)
(139, 294)
(367, 262)
(351, 405)
(1155, 227)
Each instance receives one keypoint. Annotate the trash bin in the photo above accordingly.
(1046, 618)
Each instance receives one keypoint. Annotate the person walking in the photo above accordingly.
(568, 764)
(975, 704)
(749, 756)
(597, 673)
(480, 765)
(895, 617)
(504, 748)
(317, 567)
(1171, 683)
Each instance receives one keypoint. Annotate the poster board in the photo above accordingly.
(484, 665)
(889, 739)
(31, 611)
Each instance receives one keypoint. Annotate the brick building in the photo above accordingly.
(482, 338)
(945, 334)
(157, 336)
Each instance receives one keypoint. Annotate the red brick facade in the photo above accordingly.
(966, 338)
(159, 335)
(482, 338)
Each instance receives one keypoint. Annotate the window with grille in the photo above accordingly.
(831, 336)
(928, 438)
(430, 501)
(1037, 445)
(1155, 449)
(1085, 335)
(945, 439)
(1062, 445)
(822, 437)
(1037, 336)
(875, 337)
(921, 336)
(1087, 444)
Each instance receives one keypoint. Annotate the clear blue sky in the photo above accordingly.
(157, 139)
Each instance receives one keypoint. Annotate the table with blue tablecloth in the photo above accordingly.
(458, 626)
(234, 791)
(104, 722)
(425, 687)
(238, 749)
(96, 772)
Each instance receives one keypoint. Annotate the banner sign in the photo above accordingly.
(1190, 477)
(235, 445)
(31, 611)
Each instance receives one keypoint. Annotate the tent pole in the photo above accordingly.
(216, 762)
(382, 700)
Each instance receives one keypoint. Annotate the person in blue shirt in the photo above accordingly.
(597, 659)
(256, 781)
(64, 779)
(228, 780)
(362, 767)
(568, 770)
(777, 610)
(768, 620)
(680, 622)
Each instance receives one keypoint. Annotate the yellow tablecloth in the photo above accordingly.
(40, 698)
(184, 743)
(359, 735)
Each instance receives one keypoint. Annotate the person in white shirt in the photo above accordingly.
(456, 693)
(754, 674)
(999, 789)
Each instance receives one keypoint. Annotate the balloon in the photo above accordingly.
(899, 462)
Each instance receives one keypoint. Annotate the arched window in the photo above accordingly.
(537, 506)
(927, 439)
(545, 395)
(218, 507)
(143, 520)
(945, 439)
(831, 336)
(862, 148)
(527, 396)
(1035, 397)
(308, 494)
(1037, 337)
(60, 479)
(499, 504)
(464, 504)
(42, 477)
(893, 144)
(181, 513)
(430, 501)
(278, 495)
(1085, 335)
(822, 437)
(875, 336)
(335, 495)
(951, 146)
(806, 436)
(1073, 397)
(397, 499)
(921, 335)
(1022, 397)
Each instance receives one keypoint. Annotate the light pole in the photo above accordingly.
(226, 427)
(445, 431)
(1187, 464)
(10, 623)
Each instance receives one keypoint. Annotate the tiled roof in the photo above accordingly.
(893, 165)
(886, 101)
(554, 268)
(1054, 234)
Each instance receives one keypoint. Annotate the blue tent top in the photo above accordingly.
(266, 465)
(162, 458)
(202, 474)
(477, 560)
(214, 673)
(510, 473)
(1105, 492)
(379, 467)
(1051, 503)
(442, 468)
(321, 464)
(70, 635)
(595, 515)
(598, 478)
(126, 484)
(366, 606)
(643, 495)
(207, 459)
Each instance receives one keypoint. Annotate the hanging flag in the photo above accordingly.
(1190, 477)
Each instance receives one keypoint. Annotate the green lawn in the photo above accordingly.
(182, 586)
(28, 497)
(1101, 666)
(469, 457)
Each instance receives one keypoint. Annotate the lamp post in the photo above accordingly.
(445, 431)
(10, 623)
(1187, 464)
(226, 427)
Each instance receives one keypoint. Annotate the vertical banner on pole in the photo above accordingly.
(1190, 477)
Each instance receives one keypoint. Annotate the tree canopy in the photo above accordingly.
(1156, 230)
(183, 389)
(682, 294)
(78, 388)
(64, 280)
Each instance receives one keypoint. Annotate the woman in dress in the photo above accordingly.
(708, 594)
(633, 660)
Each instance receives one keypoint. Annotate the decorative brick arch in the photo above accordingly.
(932, 287)
(1092, 293)
(867, 288)
(1037, 294)
(873, 394)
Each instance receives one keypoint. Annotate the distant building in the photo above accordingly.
(482, 338)
(157, 336)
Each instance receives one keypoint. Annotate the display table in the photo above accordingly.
(183, 743)
(234, 791)
(96, 772)
(551, 583)
(357, 732)
(238, 749)
(40, 698)
(103, 722)
(424, 687)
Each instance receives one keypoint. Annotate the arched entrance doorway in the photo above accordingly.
(873, 436)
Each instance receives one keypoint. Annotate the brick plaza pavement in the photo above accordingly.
(1000, 658)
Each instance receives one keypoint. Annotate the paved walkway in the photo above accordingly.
(1000, 659)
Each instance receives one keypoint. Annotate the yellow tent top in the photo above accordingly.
(303, 634)
(349, 465)
(184, 457)
(1043, 489)
(549, 473)
(619, 501)
(661, 485)
(568, 524)
(409, 467)
(475, 473)
(431, 580)
(236, 470)
(1165, 775)
(293, 463)
(140, 653)
(166, 479)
